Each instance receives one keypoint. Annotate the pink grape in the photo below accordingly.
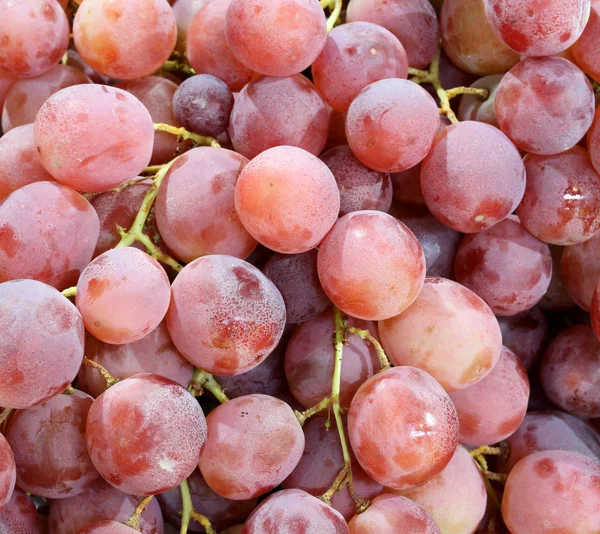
(556, 298)
(289, 510)
(184, 12)
(360, 187)
(161, 430)
(296, 277)
(49, 445)
(47, 232)
(506, 266)
(531, 31)
(254, 442)
(101, 502)
(388, 514)
(287, 199)
(407, 187)
(473, 177)
(8, 473)
(6, 83)
(584, 50)
(413, 22)
(107, 32)
(593, 141)
(506, 390)
(195, 210)
(107, 527)
(75, 60)
(154, 353)
(355, 55)
(561, 204)
(474, 108)
(156, 94)
(225, 315)
(391, 125)
(370, 265)
(553, 491)
(469, 40)
(109, 143)
(270, 112)
(569, 374)
(525, 334)
(403, 427)
(545, 105)
(34, 36)
(309, 360)
(448, 331)
(456, 497)
(122, 295)
(19, 161)
(453, 76)
(19, 516)
(580, 269)
(276, 37)
(41, 346)
(208, 50)
(27, 96)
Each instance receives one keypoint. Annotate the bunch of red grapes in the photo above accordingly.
(299, 266)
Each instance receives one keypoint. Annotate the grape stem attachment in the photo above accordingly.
(335, 14)
(188, 513)
(478, 456)
(367, 336)
(108, 378)
(69, 292)
(202, 380)
(303, 416)
(134, 520)
(177, 66)
(4, 415)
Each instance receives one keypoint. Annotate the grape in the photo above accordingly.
(548, 430)
(34, 36)
(309, 360)
(456, 497)
(156, 94)
(580, 269)
(107, 527)
(545, 105)
(407, 187)
(125, 39)
(295, 275)
(391, 125)
(47, 232)
(452, 76)
(222, 513)
(41, 347)
(19, 161)
(553, 491)
(569, 371)
(413, 22)
(355, 55)
(532, 31)
(291, 510)
(469, 40)
(20, 516)
(473, 177)
(184, 12)
(276, 37)
(27, 96)
(593, 141)
(448, 331)
(195, 209)
(75, 60)
(203, 104)
(101, 502)
(8, 472)
(49, 445)
(585, 49)
(403, 427)
(122, 295)
(254, 442)
(161, 430)
(474, 108)
(287, 199)
(208, 50)
(370, 265)
(271, 112)
(439, 243)
(360, 187)
(562, 198)
(93, 137)
(506, 266)
(525, 334)
(154, 353)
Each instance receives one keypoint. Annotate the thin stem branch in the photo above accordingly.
(188, 513)
(204, 521)
(483, 93)
(69, 390)
(489, 451)
(130, 183)
(434, 74)
(335, 15)
(152, 169)
(179, 66)
(335, 486)
(202, 380)
(4, 415)
(69, 292)
(185, 134)
(309, 412)
(367, 336)
(498, 477)
(108, 378)
(134, 520)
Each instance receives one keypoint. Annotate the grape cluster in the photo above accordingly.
(299, 266)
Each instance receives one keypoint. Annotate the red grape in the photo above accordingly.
(287, 199)
(6, 83)
(161, 429)
(370, 265)
(580, 269)
(254, 442)
(474, 108)
(20, 516)
(355, 55)
(391, 125)
(41, 346)
(75, 60)
(585, 49)
(593, 141)
(107, 527)
(403, 427)
(525, 334)
(8, 472)
(556, 298)
(185, 11)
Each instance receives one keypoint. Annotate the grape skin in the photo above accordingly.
(8, 473)
(585, 49)
(184, 12)
(580, 269)
(593, 141)
(473, 108)
(20, 516)
(107, 527)
(525, 334)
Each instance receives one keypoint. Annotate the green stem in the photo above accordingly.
(367, 336)
(303, 416)
(186, 510)
(134, 520)
(70, 292)
(335, 15)
(108, 378)
(185, 134)
(202, 380)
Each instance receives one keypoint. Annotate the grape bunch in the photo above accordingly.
(299, 266)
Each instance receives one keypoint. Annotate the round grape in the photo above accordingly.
(107, 527)
(20, 516)
(525, 334)
(593, 141)
(184, 12)
(474, 108)
(8, 473)
(580, 269)
(585, 50)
